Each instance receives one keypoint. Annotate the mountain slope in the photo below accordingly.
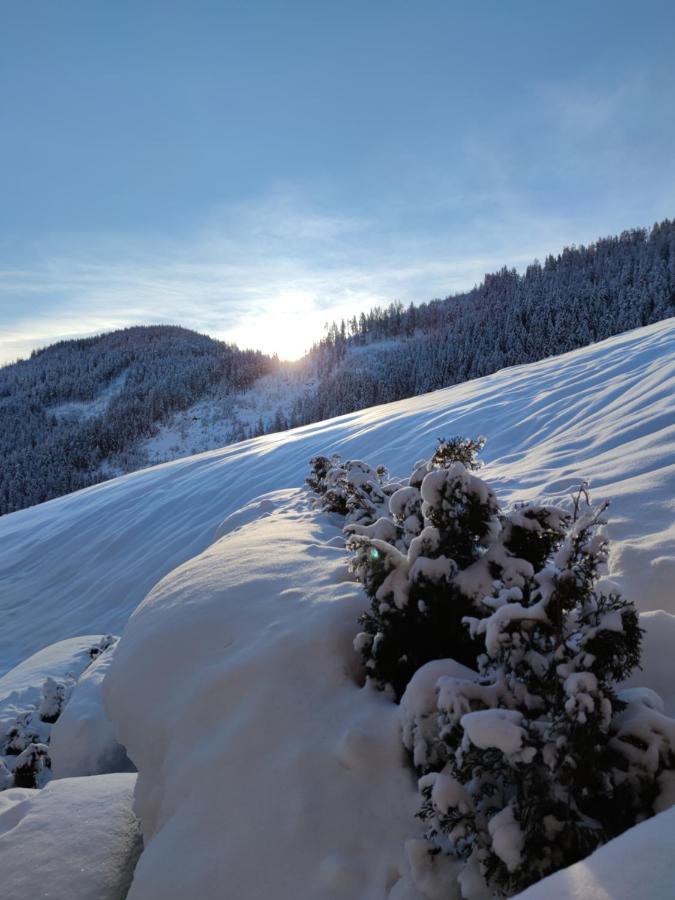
(81, 563)
(265, 769)
(76, 409)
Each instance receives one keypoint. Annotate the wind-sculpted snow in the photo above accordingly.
(80, 564)
(236, 694)
(78, 839)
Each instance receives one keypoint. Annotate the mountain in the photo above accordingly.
(582, 295)
(264, 767)
(82, 411)
(79, 409)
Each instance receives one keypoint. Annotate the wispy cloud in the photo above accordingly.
(235, 277)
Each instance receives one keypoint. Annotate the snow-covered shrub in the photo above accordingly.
(107, 641)
(543, 761)
(54, 697)
(29, 771)
(458, 449)
(420, 587)
(405, 501)
(20, 735)
(352, 488)
(405, 508)
(433, 561)
(320, 466)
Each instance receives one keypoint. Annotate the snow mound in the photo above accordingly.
(265, 770)
(82, 739)
(33, 693)
(77, 839)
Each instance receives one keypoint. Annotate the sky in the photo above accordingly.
(255, 169)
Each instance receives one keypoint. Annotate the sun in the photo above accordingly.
(287, 327)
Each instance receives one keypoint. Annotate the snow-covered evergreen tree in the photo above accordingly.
(320, 466)
(420, 574)
(431, 561)
(352, 488)
(32, 766)
(543, 760)
(55, 695)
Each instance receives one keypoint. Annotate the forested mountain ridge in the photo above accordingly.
(580, 296)
(583, 295)
(80, 405)
(80, 411)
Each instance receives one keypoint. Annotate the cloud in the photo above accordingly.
(233, 277)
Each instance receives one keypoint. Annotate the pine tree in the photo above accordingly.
(543, 760)
(352, 488)
(426, 577)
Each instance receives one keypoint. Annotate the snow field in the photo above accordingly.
(264, 768)
(82, 563)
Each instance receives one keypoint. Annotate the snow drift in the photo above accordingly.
(247, 725)
(639, 863)
(75, 840)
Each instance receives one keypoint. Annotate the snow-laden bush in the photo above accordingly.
(55, 695)
(538, 759)
(529, 756)
(320, 466)
(431, 563)
(33, 703)
(458, 449)
(32, 766)
(352, 488)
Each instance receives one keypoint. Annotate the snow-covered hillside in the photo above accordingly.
(218, 420)
(80, 564)
(265, 769)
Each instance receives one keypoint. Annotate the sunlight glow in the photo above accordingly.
(288, 326)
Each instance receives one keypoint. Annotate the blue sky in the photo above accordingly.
(253, 169)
